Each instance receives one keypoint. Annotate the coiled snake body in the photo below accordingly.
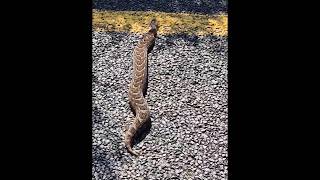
(138, 85)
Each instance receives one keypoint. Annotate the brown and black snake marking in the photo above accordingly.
(138, 85)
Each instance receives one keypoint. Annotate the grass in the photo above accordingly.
(169, 23)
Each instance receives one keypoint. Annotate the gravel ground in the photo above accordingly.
(194, 6)
(187, 95)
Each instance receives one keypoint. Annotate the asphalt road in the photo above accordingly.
(191, 6)
(187, 95)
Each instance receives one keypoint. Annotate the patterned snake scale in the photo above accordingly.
(138, 85)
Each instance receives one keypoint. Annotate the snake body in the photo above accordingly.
(138, 85)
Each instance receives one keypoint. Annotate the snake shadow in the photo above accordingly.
(146, 127)
(143, 131)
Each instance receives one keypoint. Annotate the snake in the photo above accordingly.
(138, 85)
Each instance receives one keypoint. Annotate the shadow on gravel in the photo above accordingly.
(100, 156)
(101, 162)
(174, 6)
(190, 40)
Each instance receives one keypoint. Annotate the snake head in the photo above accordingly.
(154, 24)
(154, 27)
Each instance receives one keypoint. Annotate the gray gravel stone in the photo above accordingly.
(187, 95)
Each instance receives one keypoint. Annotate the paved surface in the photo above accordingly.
(187, 95)
(193, 6)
